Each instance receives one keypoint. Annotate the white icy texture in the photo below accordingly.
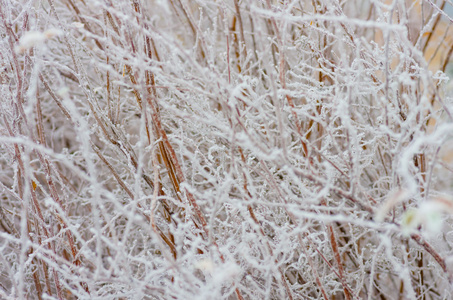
(172, 150)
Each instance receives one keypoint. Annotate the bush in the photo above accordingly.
(225, 149)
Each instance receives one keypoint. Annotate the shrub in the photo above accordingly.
(225, 149)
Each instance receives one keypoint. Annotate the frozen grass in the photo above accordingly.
(181, 149)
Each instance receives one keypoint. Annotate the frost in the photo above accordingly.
(225, 150)
(51, 33)
(428, 215)
(205, 265)
(394, 199)
(35, 38)
(441, 77)
(78, 25)
(31, 39)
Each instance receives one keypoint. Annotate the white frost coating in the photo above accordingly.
(225, 150)
(394, 199)
(78, 25)
(36, 38)
(31, 39)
